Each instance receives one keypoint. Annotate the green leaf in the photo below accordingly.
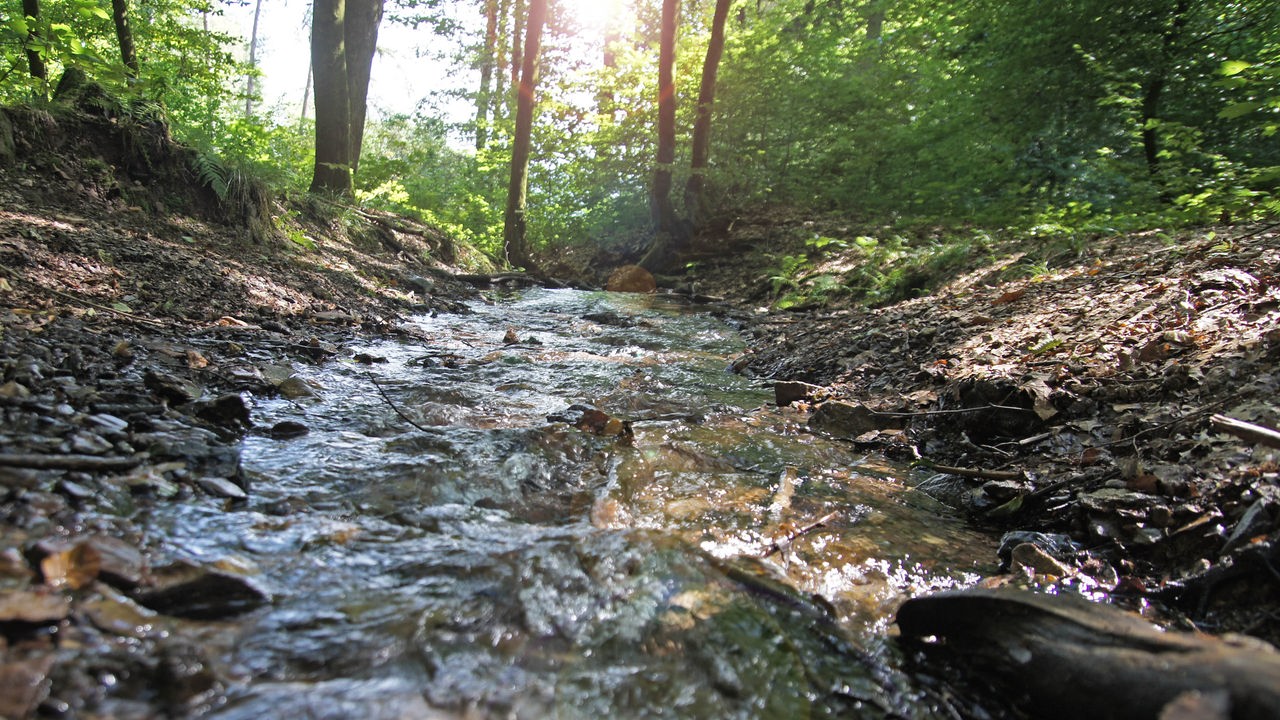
(1234, 67)
(121, 307)
(18, 25)
(1240, 109)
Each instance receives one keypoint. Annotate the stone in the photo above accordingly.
(222, 488)
(286, 429)
(228, 411)
(786, 392)
(1029, 558)
(35, 607)
(24, 684)
(189, 591)
(849, 420)
(1117, 664)
(631, 279)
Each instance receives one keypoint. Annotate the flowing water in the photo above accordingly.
(445, 542)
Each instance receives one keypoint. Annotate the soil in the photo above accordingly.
(1108, 412)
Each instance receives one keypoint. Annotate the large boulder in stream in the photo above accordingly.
(1065, 657)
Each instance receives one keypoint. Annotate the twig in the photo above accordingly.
(780, 544)
(976, 472)
(72, 298)
(1248, 431)
(69, 462)
(922, 413)
(388, 400)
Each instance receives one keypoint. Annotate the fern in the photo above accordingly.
(213, 174)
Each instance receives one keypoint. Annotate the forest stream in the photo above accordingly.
(454, 536)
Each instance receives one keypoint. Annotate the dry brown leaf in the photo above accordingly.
(1010, 296)
(72, 568)
(196, 361)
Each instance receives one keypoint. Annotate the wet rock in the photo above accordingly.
(229, 411)
(1127, 668)
(849, 420)
(14, 391)
(87, 443)
(184, 674)
(120, 616)
(608, 317)
(631, 279)
(294, 388)
(189, 591)
(1030, 559)
(170, 388)
(24, 684)
(1056, 545)
(221, 488)
(35, 607)
(120, 563)
(286, 429)
(786, 392)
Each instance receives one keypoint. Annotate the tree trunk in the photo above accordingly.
(1153, 89)
(515, 242)
(361, 33)
(124, 35)
(253, 60)
(31, 9)
(694, 200)
(669, 236)
(333, 117)
(517, 58)
(488, 59)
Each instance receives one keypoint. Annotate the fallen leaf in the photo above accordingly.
(1010, 296)
(72, 568)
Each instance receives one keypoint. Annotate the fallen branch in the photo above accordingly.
(1248, 431)
(976, 472)
(389, 402)
(87, 463)
(780, 544)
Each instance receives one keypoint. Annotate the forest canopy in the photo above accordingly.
(1079, 113)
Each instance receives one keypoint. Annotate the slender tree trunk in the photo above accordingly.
(669, 235)
(488, 59)
(514, 240)
(694, 200)
(333, 117)
(361, 32)
(605, 100)
(501, 71)
(306, 97)
(517, 57)
(253, 61)
(124, 35)
(1153, 89)
(31, 8)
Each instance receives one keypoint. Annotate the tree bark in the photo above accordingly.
(124, 35)
(253, 60)
(515, 242)
(669, 235)
(517, 58)
(361, 33)
(31, 9)
(694, 198)
(488, 59)
(333, 118)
